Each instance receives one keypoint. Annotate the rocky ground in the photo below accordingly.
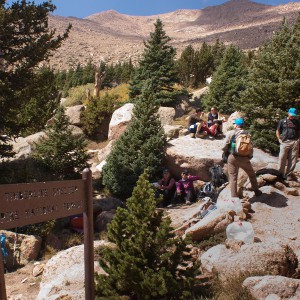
(275, 218)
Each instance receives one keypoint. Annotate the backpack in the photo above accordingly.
(207, 191)
(241, 144)
(218, 177)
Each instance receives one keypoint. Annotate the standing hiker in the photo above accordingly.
(288, 133)
(238, 143)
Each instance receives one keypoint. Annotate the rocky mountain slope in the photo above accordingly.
(110, 36)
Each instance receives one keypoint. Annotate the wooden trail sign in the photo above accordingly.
(29, 203)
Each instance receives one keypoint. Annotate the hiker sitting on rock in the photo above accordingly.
(213, 118)
(203, 130)
(194, 121)
(166, 187)
(238, 143)
(185, 191)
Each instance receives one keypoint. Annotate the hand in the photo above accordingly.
(280, 141)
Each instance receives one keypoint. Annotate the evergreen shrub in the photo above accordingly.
(148, 260)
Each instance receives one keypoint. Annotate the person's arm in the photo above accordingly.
(178, 187)
(169, 186)
(193, 178)
(278, 130)
(227, 141)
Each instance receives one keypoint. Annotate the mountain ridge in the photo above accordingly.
(114, 37)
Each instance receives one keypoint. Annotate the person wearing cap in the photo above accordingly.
(235, 161)
(166, 187)
(288, 133)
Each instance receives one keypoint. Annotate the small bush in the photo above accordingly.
(78, 95)
(98, 111)
(39, 229)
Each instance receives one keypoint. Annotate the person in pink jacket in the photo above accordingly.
(185, 191)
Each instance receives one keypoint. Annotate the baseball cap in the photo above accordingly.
(239, 121)
(292, 111)
(166, 171)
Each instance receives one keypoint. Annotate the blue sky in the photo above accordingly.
(84, 8)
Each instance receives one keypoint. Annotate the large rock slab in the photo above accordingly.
(261, 287)
(21, 248)
(24, 146)
(198, 155)
(63, 274)
(166, 115)
(215, 222)
(119, 121)
(104, 152)
(257, 258)
(74, 113)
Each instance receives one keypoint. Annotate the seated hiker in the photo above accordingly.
(185, 191)
(203, 130)
(166, 186)
(213, 118)
(194, 121)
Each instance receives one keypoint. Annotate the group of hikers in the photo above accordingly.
(238, 151)
(199, 128)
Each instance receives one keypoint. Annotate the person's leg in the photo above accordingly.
(192, 130)
(283, 154)
(292, 157)
(233, 170)
(213, 129)
(188, 197)
(246, 165)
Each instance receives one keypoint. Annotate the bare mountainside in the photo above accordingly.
(113, 37)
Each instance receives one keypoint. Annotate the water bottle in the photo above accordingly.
(240, 230)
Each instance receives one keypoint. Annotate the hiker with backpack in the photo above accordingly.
(166, 186)
(288, 133)
(185, 191)
(238, 143)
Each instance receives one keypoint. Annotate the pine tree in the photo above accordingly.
(26, 41)
(60, 152)
(273, 84)
(157, 63)
(186, 66)
(218, 51)
(140, 147)
(148, 261)
(204, 64)
(228, 81)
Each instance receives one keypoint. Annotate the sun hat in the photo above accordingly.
(292, 112)
(239, 121)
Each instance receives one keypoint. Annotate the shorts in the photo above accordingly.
(193, 128)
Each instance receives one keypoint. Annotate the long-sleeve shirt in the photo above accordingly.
(186, 185)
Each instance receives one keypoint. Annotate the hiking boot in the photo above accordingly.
(193, 135)
(292, 177)
(258, 193)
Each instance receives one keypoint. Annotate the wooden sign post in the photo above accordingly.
(29, 203)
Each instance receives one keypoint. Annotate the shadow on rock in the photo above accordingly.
(273, 199)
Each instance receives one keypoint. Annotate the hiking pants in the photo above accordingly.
(234, 163)
(212, 130)
(288, 156)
